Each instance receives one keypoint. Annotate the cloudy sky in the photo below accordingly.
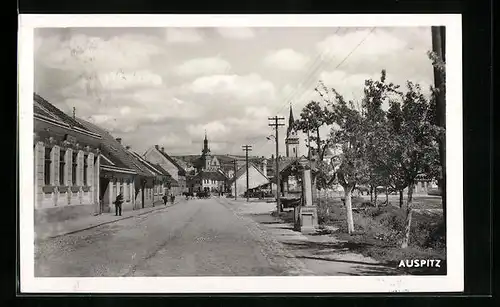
(166, 86)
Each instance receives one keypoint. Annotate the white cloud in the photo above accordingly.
(203, 66)
(122, 80)
(257, 112)
(216, 130)
(286, 59)
(171, 139)
(236, 33)
(86, 53)
(183, 35)
(378, 42)
(242, 87)
(350, 86)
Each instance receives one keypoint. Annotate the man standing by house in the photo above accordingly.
(118, 204)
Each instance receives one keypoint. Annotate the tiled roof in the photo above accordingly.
(285, 163)
(115, 151)
(242, 170)
(152, 167)
(45, 108)
(157, 169)
(173, 161)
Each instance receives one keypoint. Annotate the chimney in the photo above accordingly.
(163, 149)
(119, 140)
(157, 147)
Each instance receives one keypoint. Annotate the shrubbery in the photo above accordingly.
(385, 224)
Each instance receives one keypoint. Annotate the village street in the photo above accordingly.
(195, 237)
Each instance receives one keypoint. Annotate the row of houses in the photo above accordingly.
(80, 168)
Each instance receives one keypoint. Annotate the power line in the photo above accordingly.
(311, 74)
(340, 63)
(346, 57)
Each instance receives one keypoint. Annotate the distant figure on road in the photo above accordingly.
(118, 204)
(172, 198)
(165, 199)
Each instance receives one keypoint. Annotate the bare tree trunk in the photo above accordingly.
(387, 196)
(406, 238)
(375, 198)
(400, 198)
(371, 193)
(348, 206)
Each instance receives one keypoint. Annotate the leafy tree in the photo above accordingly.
(413, 147)
(312, 118)
(376, 92)
(349, 133)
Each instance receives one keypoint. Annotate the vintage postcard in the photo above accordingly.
(240, 153)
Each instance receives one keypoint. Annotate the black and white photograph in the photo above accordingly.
(238, 153)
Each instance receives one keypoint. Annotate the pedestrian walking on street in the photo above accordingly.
(165, 199)
(118, 204)
(172, 198)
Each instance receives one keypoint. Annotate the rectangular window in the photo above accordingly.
(62, 163)
(73, 168)
(47, 163)
(85, 173)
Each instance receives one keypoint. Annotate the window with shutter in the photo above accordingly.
(62, 163)
(47, 163)
(73, 168)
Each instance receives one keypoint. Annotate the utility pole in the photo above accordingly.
(247, 148)
(235, 192)
(438, 46)
(276, 124)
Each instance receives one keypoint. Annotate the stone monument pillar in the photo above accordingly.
(308, 212)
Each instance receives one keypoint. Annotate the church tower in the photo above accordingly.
(205, 154)
(292, 139)
(205, 150)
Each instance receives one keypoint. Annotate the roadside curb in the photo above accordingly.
(109, 222)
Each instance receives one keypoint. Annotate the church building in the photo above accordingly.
(209, 175)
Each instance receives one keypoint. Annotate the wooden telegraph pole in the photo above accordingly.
(235, 192)
(438, 46)
(276, 124)
(247, 148)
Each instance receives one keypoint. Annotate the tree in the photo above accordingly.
(312, 118)
(376, 92)
(413, 149)
(348, 132)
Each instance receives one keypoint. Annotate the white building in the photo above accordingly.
(66, 165)
(256, 178)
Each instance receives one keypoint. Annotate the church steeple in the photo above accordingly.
(292, 140)
(205, 144)
(291, 122)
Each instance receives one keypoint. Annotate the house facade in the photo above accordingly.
(208, 181)
(66, 165)
(162, 181)
(123, 173)
(158, 156)
(256, 178)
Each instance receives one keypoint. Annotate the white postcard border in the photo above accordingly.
(453, 282)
